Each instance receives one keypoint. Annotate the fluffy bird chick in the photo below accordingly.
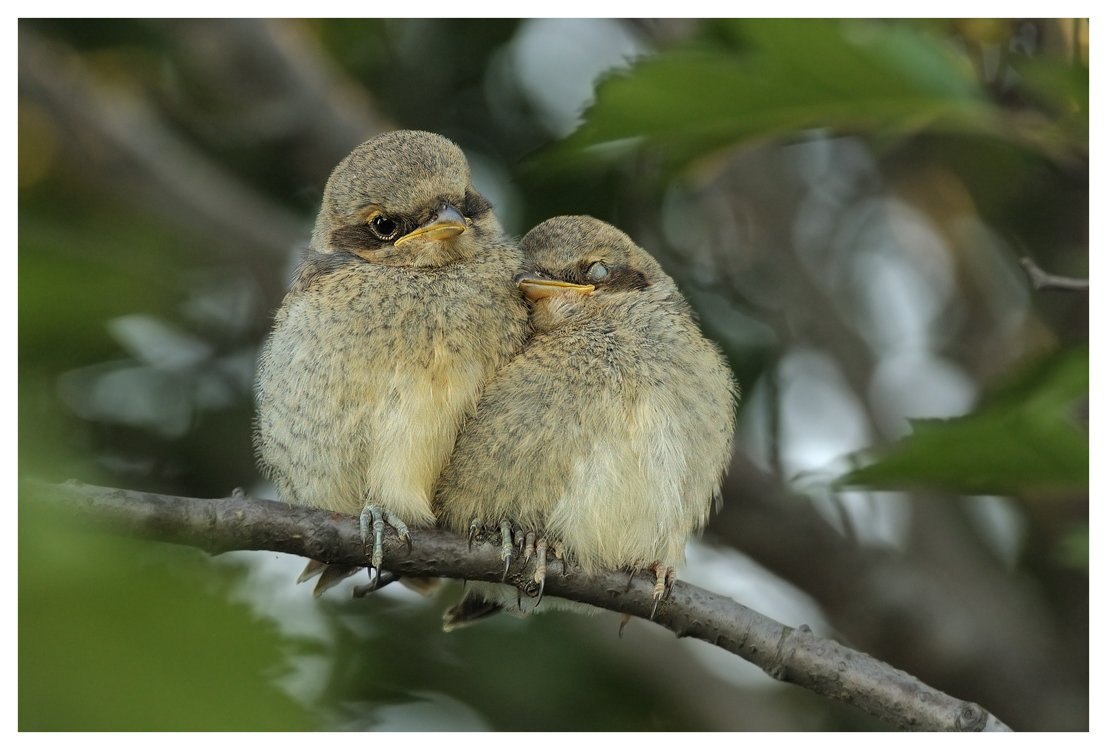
(607, 437)
(403, 307)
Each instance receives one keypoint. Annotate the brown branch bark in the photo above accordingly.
(788, 654)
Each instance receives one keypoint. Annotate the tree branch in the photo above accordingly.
(902, 605)
(1043, 280)
(788, 654)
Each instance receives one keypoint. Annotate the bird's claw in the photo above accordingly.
(506, 546)
(663, 583)
(531, 545)
(474, 530)
(540, 547)
(371, 522)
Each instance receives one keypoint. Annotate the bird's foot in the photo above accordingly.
(664, 578)
(372, 521)
(530, 544)
(507, 538)
(538, 547)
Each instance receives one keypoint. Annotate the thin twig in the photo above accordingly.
(788, 654)
(1042, 280)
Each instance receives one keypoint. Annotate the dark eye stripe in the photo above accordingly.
(476, 205)
(355, 237)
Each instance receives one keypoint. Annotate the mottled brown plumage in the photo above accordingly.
(608, 435)
(399, 313)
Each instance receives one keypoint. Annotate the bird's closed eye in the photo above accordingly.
(597, 272)
(384, 227)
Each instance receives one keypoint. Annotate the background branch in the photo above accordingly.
(788, 654)
(1043, 280)
(148, 157)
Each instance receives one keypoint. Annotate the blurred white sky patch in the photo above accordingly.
(913, 384)
(730, 573)
(900, 270)
(557, 60)
(821, 419)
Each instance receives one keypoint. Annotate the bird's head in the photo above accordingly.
(404, 198)
(580, 264)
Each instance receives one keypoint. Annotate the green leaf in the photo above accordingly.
(787, 76)
(774, 79)
(1031, 436)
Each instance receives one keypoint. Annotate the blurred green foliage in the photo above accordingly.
(117, 634)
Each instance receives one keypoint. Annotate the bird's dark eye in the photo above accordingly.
(383, 227)
(597, 272)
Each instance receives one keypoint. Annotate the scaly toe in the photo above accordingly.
(371, 523)
(402, 531)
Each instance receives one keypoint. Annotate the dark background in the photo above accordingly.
(844, 202)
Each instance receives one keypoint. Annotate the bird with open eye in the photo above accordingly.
(403, 307)
(607, 437)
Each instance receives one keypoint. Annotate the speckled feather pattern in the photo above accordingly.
(377, 357)
(611, 430)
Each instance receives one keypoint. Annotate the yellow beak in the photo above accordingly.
(539, 287)
(446, 224)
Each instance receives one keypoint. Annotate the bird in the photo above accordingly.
(402, 307)
(606, 438)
